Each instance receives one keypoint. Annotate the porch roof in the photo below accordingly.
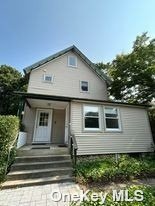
(26, 95)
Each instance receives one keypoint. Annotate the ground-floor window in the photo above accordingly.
(112, 119)
(91, 118)
(98, 117)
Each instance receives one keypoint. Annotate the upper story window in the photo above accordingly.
(84, 86)
(48, 78)
(91, 118)
(112, 119)
(72, 61)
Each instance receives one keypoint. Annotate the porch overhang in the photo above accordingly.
(27, 96)
(43, 101)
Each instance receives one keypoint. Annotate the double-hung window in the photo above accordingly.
(84, 87)
(72, 61)
(48, 78)
(112, 119)
(91, 118)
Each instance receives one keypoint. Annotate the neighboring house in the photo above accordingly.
(67, 95)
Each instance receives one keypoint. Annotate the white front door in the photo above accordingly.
(42, 132)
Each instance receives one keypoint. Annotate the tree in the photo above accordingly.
(133, 74)
(10, 80)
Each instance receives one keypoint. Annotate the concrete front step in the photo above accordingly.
(37, 152)
(39, 165)
(42, 158)
(39, 173)
(37, 181)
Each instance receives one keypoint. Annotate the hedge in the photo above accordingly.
(9, 127)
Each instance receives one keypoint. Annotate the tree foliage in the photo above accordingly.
(133, 74)
(10, 80)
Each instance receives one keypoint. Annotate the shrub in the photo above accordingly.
(9, 126)
(148, 200)
(106, 169)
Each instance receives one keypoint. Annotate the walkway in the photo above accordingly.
(37, 195)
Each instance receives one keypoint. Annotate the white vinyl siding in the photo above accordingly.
(135, 135)
(66, 81)
(29, 121)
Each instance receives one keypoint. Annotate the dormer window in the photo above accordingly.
(48, 78)
(72, 61)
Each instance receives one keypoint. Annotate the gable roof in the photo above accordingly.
(73, 48)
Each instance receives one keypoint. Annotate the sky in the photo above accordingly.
(31, 30)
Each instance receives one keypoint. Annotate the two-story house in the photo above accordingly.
(67, 95)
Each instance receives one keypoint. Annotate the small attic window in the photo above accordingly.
(84, 86)
(48, 78)
(72, 61)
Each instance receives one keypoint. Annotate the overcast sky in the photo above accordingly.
(34, 29)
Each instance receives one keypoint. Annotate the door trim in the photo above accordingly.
(35, 125)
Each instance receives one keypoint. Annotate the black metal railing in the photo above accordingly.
(73, 148)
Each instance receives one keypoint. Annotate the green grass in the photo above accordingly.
(148, 198)
(106, 169)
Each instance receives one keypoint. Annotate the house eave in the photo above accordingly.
(70, 99)
(73, 48)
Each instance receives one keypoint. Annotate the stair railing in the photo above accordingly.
(9, 152)
(73, 148)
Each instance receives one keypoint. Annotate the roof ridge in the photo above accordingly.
(56, 55)
(49, 58)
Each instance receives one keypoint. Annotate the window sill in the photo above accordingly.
(92, 131)
(87, 92)
(113, 131)
(47, 82)
(71, 66)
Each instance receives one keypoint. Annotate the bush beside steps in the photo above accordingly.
(9, 127)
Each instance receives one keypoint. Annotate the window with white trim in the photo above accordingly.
(84, 87)
(48, 78)
(91, 118)
(72, 61)
(112, 120)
